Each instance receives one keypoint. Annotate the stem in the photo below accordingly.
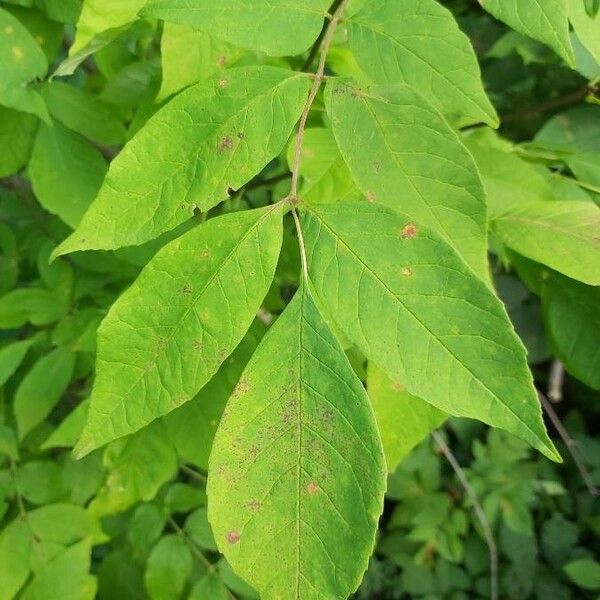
(193, 473)
(556, 380)
(477, 508)
(571, 445)
(301, 244)
(191, 544)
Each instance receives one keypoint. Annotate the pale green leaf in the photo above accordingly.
(412, 307)
(418, 43)
(562, 235)
(572, 317)
(192, 427)
(42, 387)
(11, 356)
(277, 27)
(586, 27)
(220, 134)
(190, 55)
(63, 11)
(15, 546)
(170, 331)
(22, 62)
(40, 482)
(8, 446)
(198, 529)
(136, 468)
(169, 565)
(84, 113)
(544, 20)
(403, 419)
(62, 524)
(66, 172)
(65, 577)
(297, 473)
(17, 134)
(404, 156)
(325, 176)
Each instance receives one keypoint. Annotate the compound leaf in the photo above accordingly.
(220, 134)
(562, 235)
(167, 335)
(297, 473)
(411, 306)
(418, 43)
(277, 27)
(544, 20)
(403, 155)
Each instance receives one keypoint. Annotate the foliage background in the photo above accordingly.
(134, 515)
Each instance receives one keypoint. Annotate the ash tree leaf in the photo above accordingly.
(584, 572)
(403, 155)
(61, 523)
(169, 566)
(586, 27)
(418, 43)
(562, 235)
(22, 62)
(167, 335)
(15, 547)
(544, 20)
(572, 318)
(17, 135)
(220, 134)
(404, 420)
(408, 302)
(276, 27)
(297, 474)
(210, 587)
(42, 388)
(66, 172)
(11, 356)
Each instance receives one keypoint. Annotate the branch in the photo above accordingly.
(477, 508)
(571, 445)
(556, 380)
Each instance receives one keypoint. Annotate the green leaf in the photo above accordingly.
(68, 432)
(170, 331)
(403, 155)
(418, 43)
(136, 468)
(80, 111)
(17, 134)
(11, 356)
(62, 524)
(190, 55)
(297, 473)
(234, 126)
(403, 419)
(15, 546)
(544, 20)
(8, 444)
(412, 307)
(41, 389)
(562, 235)
(210, 587)
(66, 172)
(22, 62)
(586, 27)
(584, 572)
(572, 317)
(199, 530)
(63, 11)
(277, 27)
(169, 566)
(30, 305)
(40, 482)
(66, 576)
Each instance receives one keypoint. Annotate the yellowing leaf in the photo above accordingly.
(412, 307)
(170, 331)
(297, 473)
(209, 140)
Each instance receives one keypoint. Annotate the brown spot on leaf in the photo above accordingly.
(233, 537)
(398, 387)
(225, 144)
(376, 166)
(370, 196)
(312, 488)
(407, 271)
(222, 61)
(196, 345)
(205, 253)
(409, 231)
(241, 388)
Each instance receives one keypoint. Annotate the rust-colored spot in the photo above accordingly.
(409, 231)
(241, 388)
(407, 271)
(17, 52)
(398, 387)
(222, 61)
(225, 144)
(312, 488)
(370, 196)
(233, 537)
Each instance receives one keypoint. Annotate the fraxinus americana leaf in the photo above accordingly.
(297, 473)
(401, 294)
(418, 43)
(403, 155)
(277, 27)
(167, 335)
(208, 141)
